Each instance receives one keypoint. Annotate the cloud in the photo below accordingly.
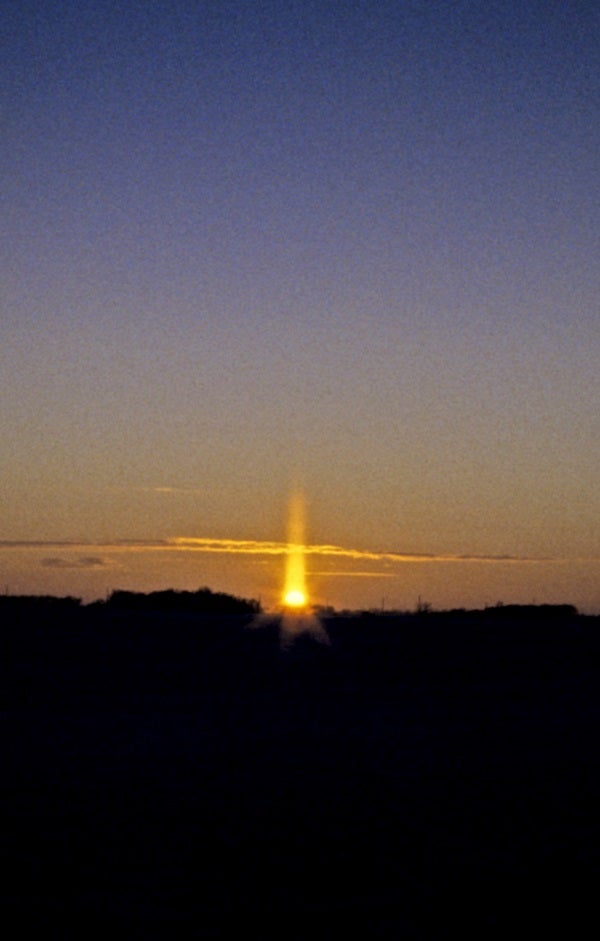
(332, 573)
(83, 562)
(163, 488)
(257, 548)
(36, 544)
(68, 544)
(229, 546)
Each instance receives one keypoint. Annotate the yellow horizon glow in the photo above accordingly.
(294, 593)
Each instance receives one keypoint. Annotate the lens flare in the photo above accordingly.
(294, 592)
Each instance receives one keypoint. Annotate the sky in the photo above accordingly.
(349, 248)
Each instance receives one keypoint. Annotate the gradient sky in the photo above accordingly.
(351, 246)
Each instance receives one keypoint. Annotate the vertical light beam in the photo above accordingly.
(294, 593)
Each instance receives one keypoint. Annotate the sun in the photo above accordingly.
(295, 598)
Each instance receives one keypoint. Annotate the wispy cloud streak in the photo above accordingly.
(254, 547)
(83, 562)
(177, 491)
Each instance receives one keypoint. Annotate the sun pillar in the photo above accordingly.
(294, 593)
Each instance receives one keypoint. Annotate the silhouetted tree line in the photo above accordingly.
(170, 600)
(160, 763)
(204, 600)
(35, 603)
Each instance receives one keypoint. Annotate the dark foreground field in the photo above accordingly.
(421, 776)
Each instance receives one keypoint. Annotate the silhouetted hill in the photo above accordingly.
(176, 766)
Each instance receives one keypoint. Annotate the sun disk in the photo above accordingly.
(295, 599)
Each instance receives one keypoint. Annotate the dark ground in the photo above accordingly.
(421, 776)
